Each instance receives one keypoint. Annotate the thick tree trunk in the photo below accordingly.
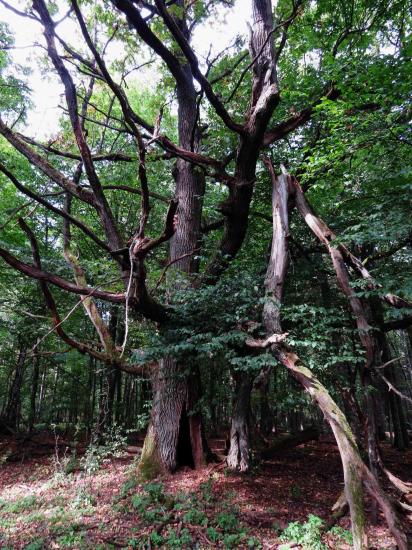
(168, 442)
(238, 457)
(174, 437)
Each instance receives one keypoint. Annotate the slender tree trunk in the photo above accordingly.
(89, 401)
(266, 416)
(13, 408)
(33, 392)
(41, 393)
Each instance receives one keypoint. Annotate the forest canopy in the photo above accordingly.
(208, 232)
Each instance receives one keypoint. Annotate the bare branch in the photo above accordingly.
(40, 162)
(53, 208)
(36, 273)
(114, 157)
(18, 12)
(395, 390)
(194, 65)
(102, 205)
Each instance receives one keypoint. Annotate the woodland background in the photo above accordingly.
(203, 237)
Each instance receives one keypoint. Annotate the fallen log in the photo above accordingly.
(290, 441)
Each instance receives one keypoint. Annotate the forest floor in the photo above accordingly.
(41, 506)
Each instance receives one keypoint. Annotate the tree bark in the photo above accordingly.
(238, 457)
(174, 436)
(356, 473)
(13, 408)
(33, 392)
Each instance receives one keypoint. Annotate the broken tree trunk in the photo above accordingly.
(356, 473)
(355, 470)
(369, 338)
(290, 441)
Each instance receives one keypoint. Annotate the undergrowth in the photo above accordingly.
(184, 520)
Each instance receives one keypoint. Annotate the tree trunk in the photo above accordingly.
(13, 408)
(174, 436)
(33, 392)
(355, 471)
(266, 416)
(238, 457)
(167, 436)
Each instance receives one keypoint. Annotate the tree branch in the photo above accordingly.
(53, 208)
(40, 162)
(36, 273)
(102, 205)
(194, 66)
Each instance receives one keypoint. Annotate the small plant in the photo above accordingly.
(195, 517)
(130, 484)
(213, 534)
(153, 505)
(181, 540)
(308, 534)
(156, 539)
(206, 489)
(341, 533)
(62, 462)
(70, 540)
(20, 505)
(233, 540)
(95, 455)
(227, 521)
(83, 499)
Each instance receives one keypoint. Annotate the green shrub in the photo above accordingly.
(308, 534)
(95, 455)
(195, 517)
(341, 533)
(227, 521)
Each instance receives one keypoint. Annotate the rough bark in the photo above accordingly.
(161, 443)
(175, 433)
(263, 101)
(356, 473)
(238, 457)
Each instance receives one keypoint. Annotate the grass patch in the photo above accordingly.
(17, 506)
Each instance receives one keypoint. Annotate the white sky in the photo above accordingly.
(47, 89)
